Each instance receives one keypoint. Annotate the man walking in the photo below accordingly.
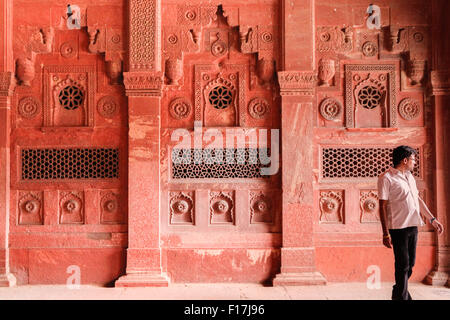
(400, 207)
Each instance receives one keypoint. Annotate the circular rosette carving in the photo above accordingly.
(330, 109)
(370, 205)
(369, 49)
(330, 205)
(190, 15)
(219, 47)
(409, 108)
(71, 205)
(180, 108)
(110, 203)
(258, 108)
(29, 107)
(221, 206)
(220, 97)
(266, 36)
(369, 97)
(107, 107)
(68, 50)
(172, 38)
(29, 204)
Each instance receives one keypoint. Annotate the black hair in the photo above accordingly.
(401, 153)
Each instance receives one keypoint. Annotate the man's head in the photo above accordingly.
(404, 156)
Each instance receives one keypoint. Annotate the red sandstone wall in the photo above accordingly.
(344, 228)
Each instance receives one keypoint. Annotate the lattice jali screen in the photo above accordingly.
(358, 162)
(219, 163)
(52, 164)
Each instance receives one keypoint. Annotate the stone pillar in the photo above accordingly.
(297, 82)
(6, 90)
(440, 90)
(440, 81)
(143, 84)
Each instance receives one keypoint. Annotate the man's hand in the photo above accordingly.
(387, 241)
(438, 226)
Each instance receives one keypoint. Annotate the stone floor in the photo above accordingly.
(222, 291)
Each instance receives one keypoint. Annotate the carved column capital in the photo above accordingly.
(440, 82)
(297, 83)
(7, 84)
(143, 83)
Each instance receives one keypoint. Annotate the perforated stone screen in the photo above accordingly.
(359, 162)
(207, 163)
(51, 164)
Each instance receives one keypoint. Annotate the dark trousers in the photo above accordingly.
(404, 242)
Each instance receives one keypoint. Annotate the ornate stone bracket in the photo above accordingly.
(35, 41)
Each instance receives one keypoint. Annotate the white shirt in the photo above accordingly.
(400, 190)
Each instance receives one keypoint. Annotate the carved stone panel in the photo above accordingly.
(220, 95)
(221, 207)
(69, 96)
(331, 204)
(110, 206)
(369, 206)
(262, 208)
(181, 207)
(71, 207)
(370, 96)
(30, 208)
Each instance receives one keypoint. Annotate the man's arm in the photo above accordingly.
(383, 218)
(434, 222)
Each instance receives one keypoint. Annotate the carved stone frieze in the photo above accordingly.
(143, 83)
(297, 82)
